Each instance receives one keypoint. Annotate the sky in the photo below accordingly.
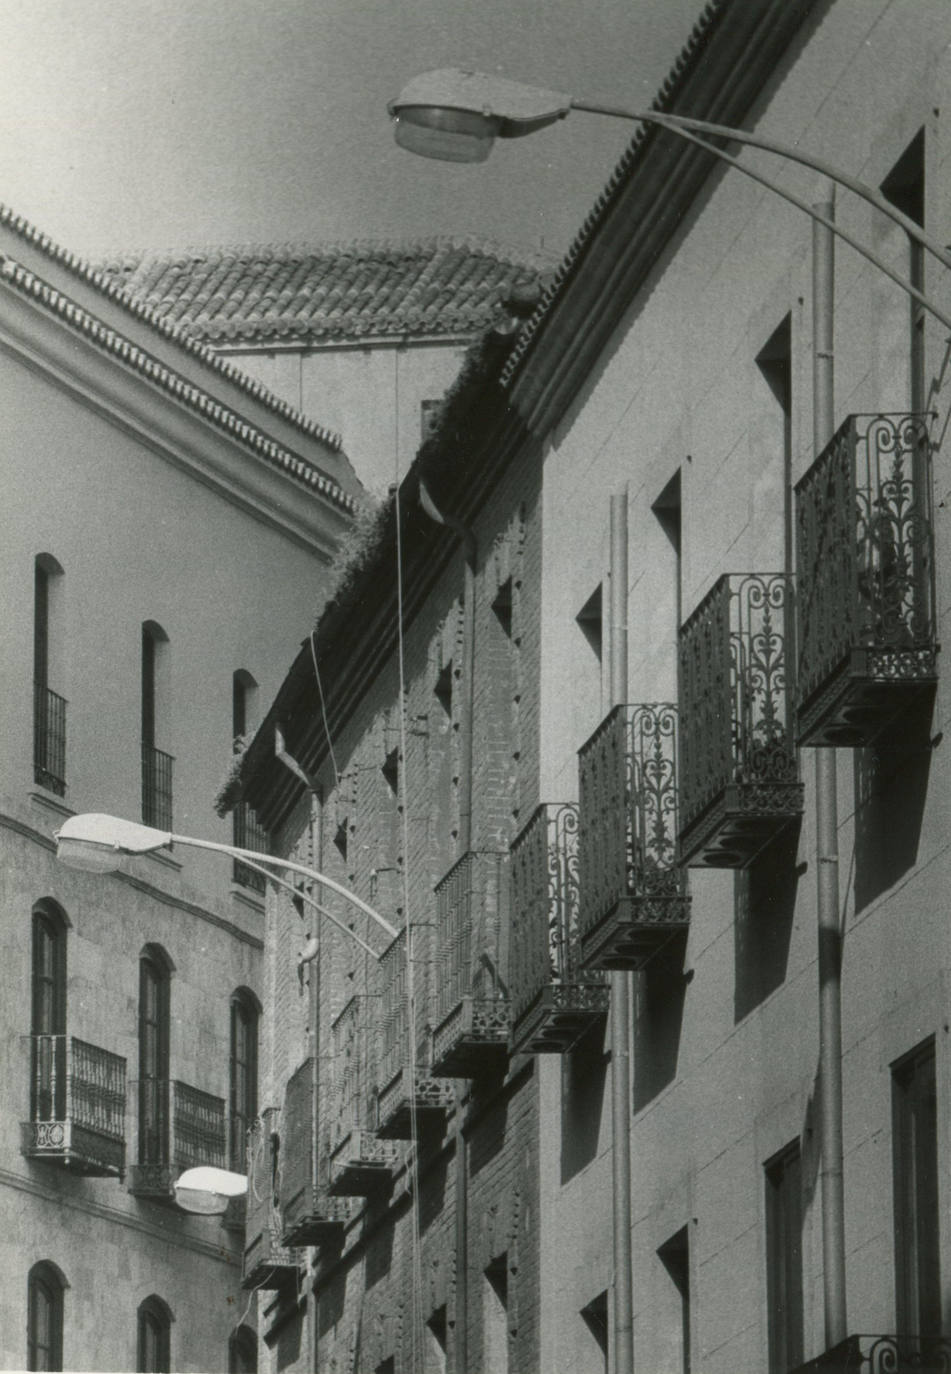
(164, 124)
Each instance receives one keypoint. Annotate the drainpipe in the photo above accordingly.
(830, 936)
(620, 990)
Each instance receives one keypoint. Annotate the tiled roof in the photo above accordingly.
(322, 292)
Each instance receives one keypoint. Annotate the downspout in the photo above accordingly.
(829, 933)
(620, 989)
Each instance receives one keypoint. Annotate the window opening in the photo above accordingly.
(153, 1059)
(44, 1318)
(784, 1259)
(154, 1337)
(48, 1017)
(243, 1077)
(915, 1164)
(675, 1257)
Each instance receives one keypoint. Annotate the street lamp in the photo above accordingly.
(97, 843)
(456, 115)
(207, 1190)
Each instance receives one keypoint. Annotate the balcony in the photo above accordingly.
(865, 550)
(407, 1097)
(77, 1108)
(554, 1000)
(739, 770)
(883, 1355)
(156, 787)
(248, 834)
(472, 1009)
(268, 1263)
(633, 889)
(308, 1215)
(179, 1128)
(49, 739)
(360, 1163)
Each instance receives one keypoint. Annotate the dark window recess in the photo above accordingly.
(915, 1160)
(154, 1337)
(595, 1318)
(243, 1078)
(44, 1339)
(784, 1260)
(589, 621)
(675, 1257)
(153, 1061)
(905, 188)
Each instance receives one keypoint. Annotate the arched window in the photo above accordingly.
(243, 1351)
(156, 762)
(154, 979)
(44, 1322)
(49, 707)
(48, 1014)
(154, 1336)
(247, 832)
(243, 1076)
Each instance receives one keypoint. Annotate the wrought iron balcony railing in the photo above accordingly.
(49, 739)
(268, 1262)
(156, 787)
(360, 1163)
(248, 834)
(866, 604)
(77, 1106)
(554, 999)
(633, 888)
(472, 1008)
(739, 770)
(309, 1216)
(405, 1095)
(180, 1127)
(883, 1355)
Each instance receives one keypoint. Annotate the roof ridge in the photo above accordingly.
(96, 277)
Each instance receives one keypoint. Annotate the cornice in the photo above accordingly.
(162, 377)
(734, 51)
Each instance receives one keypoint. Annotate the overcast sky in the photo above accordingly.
(167, 123)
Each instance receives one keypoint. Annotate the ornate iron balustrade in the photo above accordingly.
(359, 1162)
(865, 550)
(472, 1004)
(248, 834)
(77, 1106)
(633, 888)
(309, 1216)
(554, 1000)
(268, 1263)
(404, 1095)
(156, 787)
(180, 1127)
(883, 1355)
(49, 739)
(739, 770)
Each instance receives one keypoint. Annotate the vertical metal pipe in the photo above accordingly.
(829, 933)
(620, 991)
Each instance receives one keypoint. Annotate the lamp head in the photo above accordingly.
(207, 1190)
(456, 115)
(97, 843)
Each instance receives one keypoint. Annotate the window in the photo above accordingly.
(784, 1260)
(243, 1077)
(45, 1285)
(247, 833)
(675, 1257)
(915, 1161)
(154, 979)
(49, 708)
(243, 1351)
(495, 1303)
(156, 763)
(905, 188)
(48, 1014)
(774, 361)
(154, 1337)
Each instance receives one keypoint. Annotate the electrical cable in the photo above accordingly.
(311, 639)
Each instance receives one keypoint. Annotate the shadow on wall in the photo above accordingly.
(583, 1078)
(891, 785)
(765, 903)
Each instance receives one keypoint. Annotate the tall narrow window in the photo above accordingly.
(156, 763)
(48, 1015)
(784, 1259)
(154, 981)
(49, 708)
(495, 1303)
(243, 1351)
(675, 1257)
(154, 1337)
(905, 188)
(248, 833)
(775, 363)
(243, 1077)
(915, 1160)
(44, 1338)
